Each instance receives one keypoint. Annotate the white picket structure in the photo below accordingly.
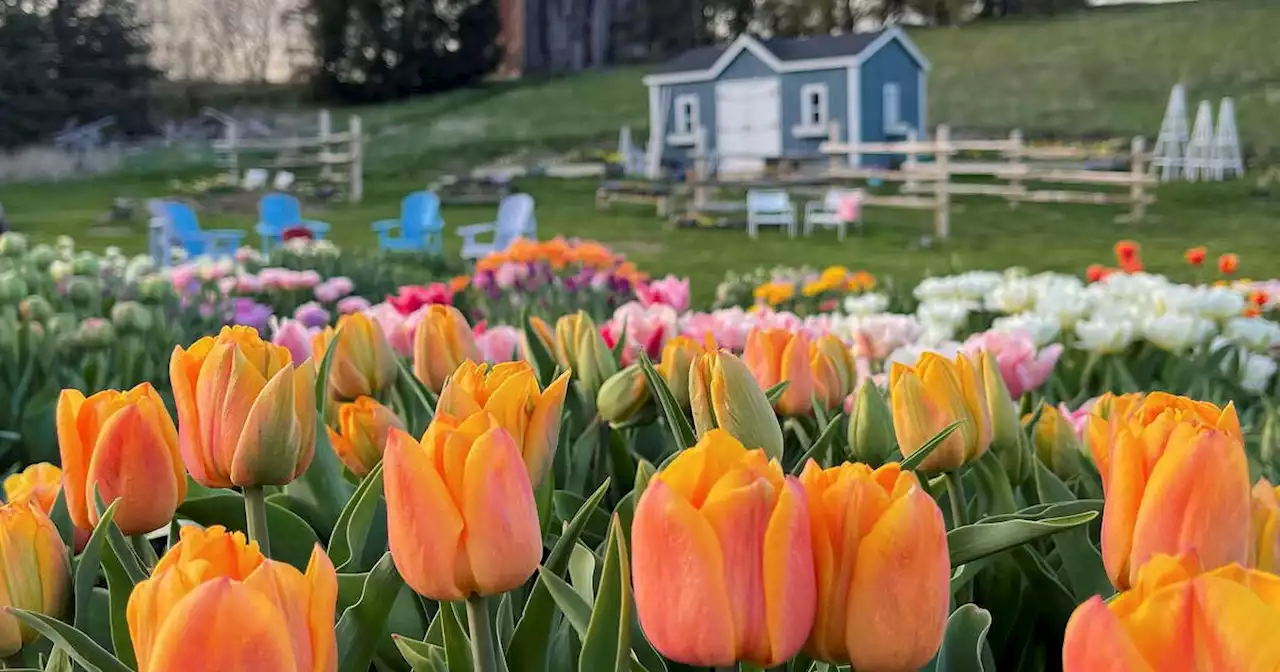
(1171, 144)
(1199, 158)
(1226, 143)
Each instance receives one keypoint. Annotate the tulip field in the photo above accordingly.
(320, 460)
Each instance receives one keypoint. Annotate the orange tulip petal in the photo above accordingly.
(738, 509)
(542, 438)
(790, 584)
(1095, 641)
(219, 627)
(266, 452)
(503, 540)
(132, 462)
(1125, 486)
(424, 527)
(75, 456)
(683, 606)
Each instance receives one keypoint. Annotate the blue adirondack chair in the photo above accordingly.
(183, 228)
(277, 212)
(420, 227)
(515, 221)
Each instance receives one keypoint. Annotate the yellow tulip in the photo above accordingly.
(723, 394)
(246, 414)
(876, 533)
(124, 445)
(1008, 441)
(364, 364)
(509, 391)
(580, 347)
(931, 395)
(834, 373)
(443, 341)
(1176, 481)
(461, 517)
(214, 603)
(1176, 618)
(1056, 443)
(363, 426)
(36, 574)
(1264, 541)
(677, 356)
(780, 355)
(39, 483)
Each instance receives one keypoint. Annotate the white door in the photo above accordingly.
(748, 124)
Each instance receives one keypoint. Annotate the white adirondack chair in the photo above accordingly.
(827, 211)
(770, 207)
(515, 220)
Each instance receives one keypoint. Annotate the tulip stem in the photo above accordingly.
(483, 647)
(146, 552)
(955, 493)
(255, 512)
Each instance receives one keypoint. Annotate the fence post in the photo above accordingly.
(356, 187)
(942, 188)
(325, 132)
(909, 165)
(1137, 172)
(231, 135)
(833, 138)
(701, 165)
(1015, 155)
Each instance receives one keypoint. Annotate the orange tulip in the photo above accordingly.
(461, 518)
(880, 549)
(930, 396)
(215, 603)
(443, 341)
(124, 445)
(37, 483)
(246, 414)
(1264, 542)
(1098, 427)
(723, 394)
(1175, 618)
(1195, 256)
(677, 356)
(834, 374)
(363, 426)
(1176, 481)
(1126, 251)
(1228, 264)
(36, 573)
(364, 365)
(775, 355)
(721, 557)
(1098, 272)
(510, 392)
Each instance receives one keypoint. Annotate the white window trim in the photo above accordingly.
(806, 128)
(682, 135)
(899, 126)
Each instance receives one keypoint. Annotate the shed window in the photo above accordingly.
(686, 114)
(813, 106)
(892, 100)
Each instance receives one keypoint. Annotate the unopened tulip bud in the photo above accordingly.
(364, 364)
(871, 438)
(1008, 441)
(12, 287)
(363, 426)
(1056, 443)
(131, 317)
(82, 291)
(933, 394)
(442, 342)
(37, 574)
(723, 394)
(580, 347)
(834, 373)
(623, 396)
(35, 308)
(1264, 542)
(677, 356)
(780, 355)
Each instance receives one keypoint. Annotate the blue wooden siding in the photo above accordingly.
(891, 64)
(837, 81)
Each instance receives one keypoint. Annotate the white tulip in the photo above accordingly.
(1255, 333)
(870, 303)
(1042, 328)
(1256, 372)
(1105, 335)
(1176, 332)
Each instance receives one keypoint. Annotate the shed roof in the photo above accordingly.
(784, 48)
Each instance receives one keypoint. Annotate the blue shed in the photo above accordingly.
(758, 99)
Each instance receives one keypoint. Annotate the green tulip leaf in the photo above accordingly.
(677, 422)
(575, 609)
(506, 621)
(824, 440)
(417, 397)
(421, 656)
(120, 545)
(356, 536)
(363, 624)
(61, 518)
(533, 631)
(964, 646)
(1081, 561)
(322, 486)
(119, 588)
(542, 360)
(80, 646)
(773, 394)
(457, 647)
(914, 459)
(607, 643)
(567, 505)
(292, 539)
(89, 564)
(972, 542)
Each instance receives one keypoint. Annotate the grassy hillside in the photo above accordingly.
(1105, 72)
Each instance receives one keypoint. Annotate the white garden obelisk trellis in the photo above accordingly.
(1226, 143)
(1199, 158)
(1171, 144)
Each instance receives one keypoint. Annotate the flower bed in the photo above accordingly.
(555, 472)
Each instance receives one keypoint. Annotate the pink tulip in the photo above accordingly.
(647, 328)
(333, 289)
(876, 336)
(182, 276)
(353, 304)
(1079, 418)
(226, 285)
(247, 254)
(669, 291)
(274, 278)
(296, 337)
(499, 343)
(248, 284)
(1022, 368)
(398, 328)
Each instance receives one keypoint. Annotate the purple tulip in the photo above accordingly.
(312, 314)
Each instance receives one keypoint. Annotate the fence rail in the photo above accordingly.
(336, 157)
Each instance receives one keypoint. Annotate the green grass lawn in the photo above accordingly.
(987, 234)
